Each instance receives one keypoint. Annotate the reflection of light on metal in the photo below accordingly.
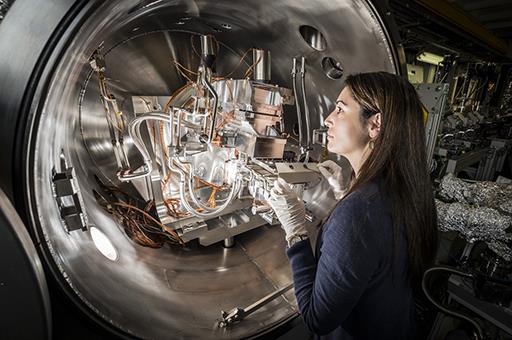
(103, 244)
(430, 58)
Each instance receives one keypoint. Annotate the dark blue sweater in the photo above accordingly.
(350, 290)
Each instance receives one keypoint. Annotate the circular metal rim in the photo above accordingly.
(39, 80)
(28, 264)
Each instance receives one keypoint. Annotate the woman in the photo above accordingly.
(381, 236)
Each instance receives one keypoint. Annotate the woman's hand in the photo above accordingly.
(289, 209)
(334, 176)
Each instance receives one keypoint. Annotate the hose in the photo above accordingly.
(441, 307)
(306, 109)
(183, 180)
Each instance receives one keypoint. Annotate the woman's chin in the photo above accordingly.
(336, 150)
(332, 148)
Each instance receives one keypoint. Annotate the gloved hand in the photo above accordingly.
(319, 199)
(334, 176)
(289, 209)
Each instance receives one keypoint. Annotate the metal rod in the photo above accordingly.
(215, 108)
(466, 76)
(237, 313)
(116, 132)
(263, 301)
(297, 104)
(178, 132)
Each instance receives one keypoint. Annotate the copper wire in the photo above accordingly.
(145, 213)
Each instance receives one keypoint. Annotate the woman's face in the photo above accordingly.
(346, 134)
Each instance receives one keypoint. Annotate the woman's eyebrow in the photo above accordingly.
(341, 102)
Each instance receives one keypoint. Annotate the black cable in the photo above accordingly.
(441, 307)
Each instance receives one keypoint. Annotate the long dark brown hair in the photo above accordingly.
(399, 158)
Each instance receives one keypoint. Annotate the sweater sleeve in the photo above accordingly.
(328, 289)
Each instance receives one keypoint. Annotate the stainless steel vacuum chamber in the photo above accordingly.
(57, 148)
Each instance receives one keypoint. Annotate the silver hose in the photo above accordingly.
(134, 131)
(306, 109)
(234, 190)
(191, 192)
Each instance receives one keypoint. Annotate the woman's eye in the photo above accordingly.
(339, 109)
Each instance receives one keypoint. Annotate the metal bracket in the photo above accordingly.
(68, 197)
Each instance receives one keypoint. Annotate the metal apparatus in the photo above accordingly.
(474, 138)
(433, 97)
(149, 139)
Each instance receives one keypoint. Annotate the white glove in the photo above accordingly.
(319, 199)
(289, 209)
(334, 176)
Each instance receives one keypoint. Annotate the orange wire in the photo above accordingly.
(239, 63)
(170, 231)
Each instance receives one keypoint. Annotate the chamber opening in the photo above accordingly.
(332, 68)
(313, 37)
(177, 135)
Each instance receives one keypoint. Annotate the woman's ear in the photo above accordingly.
(374, 123)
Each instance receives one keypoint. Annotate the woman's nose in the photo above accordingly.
(328, 120)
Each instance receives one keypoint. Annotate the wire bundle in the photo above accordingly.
(136, 217)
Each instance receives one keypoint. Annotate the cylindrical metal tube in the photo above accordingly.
(207, 50)
(262, 66)
(207, 45)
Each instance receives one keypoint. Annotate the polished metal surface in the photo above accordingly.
(172, 291)
(263, 67)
